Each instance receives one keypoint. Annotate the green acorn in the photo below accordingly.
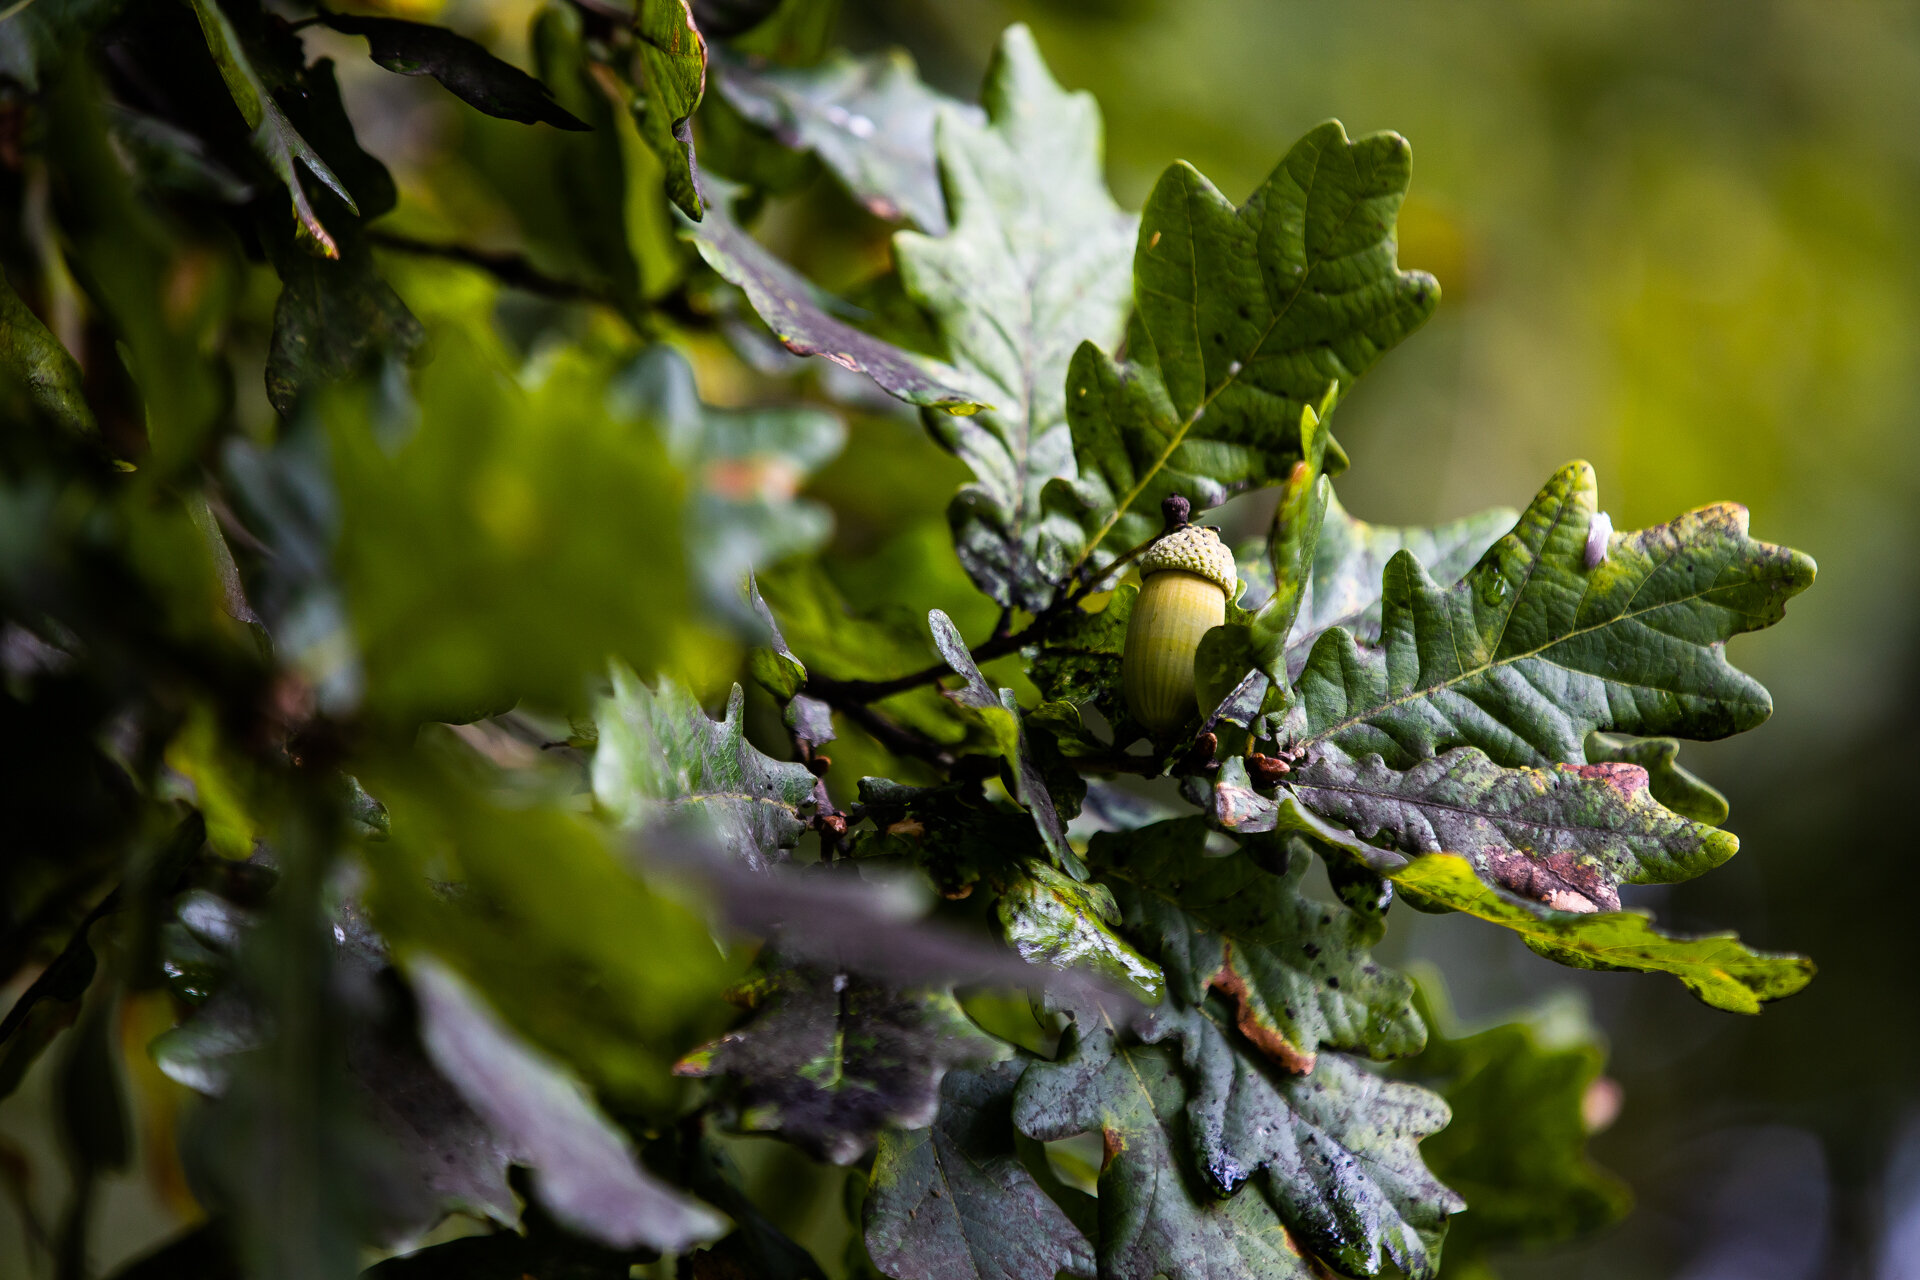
(1186, 579)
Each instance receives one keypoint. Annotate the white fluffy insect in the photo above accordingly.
(1598, 532)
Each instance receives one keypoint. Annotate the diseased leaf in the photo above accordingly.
(799, 314)
(1532, 650)
(1671, 785)
(1716, 967)
(274, 136)
(1052, 919)
(748, 466)
(1567, 835)
(1035, 264)
(999, 714)
(1155, 1217)
(954, 1200)
(1344, 589)
(870, 119)
(1297, 970)
(32, 357)
(1516, 1147)
(674, 56)
(1246, 317)
(462, 66)
(659, 756)
(829, 1059)
(1337, 1151)
(584, 1172)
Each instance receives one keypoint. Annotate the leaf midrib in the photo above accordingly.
(1626, 615)
(1179, 435)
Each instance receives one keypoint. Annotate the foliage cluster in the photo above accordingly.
(320, 535)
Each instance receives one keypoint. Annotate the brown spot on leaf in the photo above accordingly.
(1629, 780)
(1228, 982)
(1233, 806)
(1560, 880)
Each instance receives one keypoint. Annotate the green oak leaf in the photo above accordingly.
(1155, 1217)
(1245, 317)
(1532, 650)
(828, 1060)
(1344, 590)
(870, 119)
(803, 318)
(1296, 969)
(673, 54)
(1716, 967)
(1672, 785)
(33, 358)
(1034, 265)
(274, 136)
(954, 1200)
(1516, 1148)
(1566, 835)
(1052, 919)
(747, 464)
(462, 66)
(659, 756)
(1337, 1150)
(998, 714)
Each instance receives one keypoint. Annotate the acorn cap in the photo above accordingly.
(1197, 551)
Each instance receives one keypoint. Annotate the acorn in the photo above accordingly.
(1186, 579)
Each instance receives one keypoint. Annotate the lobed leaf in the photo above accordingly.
(829, 1059)
(1343, 589)
(274, 136)
(1035, 264)
(869, 118)
(1246, 317)
(673, 54)
(1671, 785)
(1297, 970)
(1533, 650)
(1567, 835)
(1052, 919)
(659, 757)
(955, 1200)
(1337, 1150)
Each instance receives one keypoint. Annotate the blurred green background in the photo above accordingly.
(1674, 239)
